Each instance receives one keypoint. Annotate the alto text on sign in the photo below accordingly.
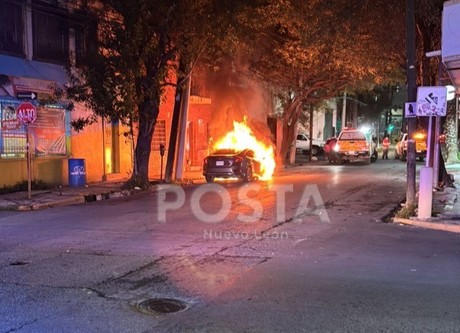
(26, 113)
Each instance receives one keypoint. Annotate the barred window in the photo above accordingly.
(159, 135)
(11, 28)
(85, 42)
(50, 37)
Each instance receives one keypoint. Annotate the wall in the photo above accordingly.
(49, 170)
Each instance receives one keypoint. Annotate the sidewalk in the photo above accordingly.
(59, 196)
(446, 207)
(68, 195)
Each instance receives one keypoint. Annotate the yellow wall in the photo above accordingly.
(50, 170)
(88, 145)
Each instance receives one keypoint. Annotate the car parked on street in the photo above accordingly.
(229, 163)
(420, 146)
(353, 146)
(329, 149)
(303, 145)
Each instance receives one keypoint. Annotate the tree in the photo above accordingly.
(431, 70)
(142, 49)
(308, 51)
(451, 129)
(209, 40)
(127, 75)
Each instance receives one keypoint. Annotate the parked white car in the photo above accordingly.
(303, 144)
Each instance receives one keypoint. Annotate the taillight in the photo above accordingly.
(238, 160)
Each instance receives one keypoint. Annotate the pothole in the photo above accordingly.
(160, 306)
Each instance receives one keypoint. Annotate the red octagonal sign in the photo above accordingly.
(26, 113)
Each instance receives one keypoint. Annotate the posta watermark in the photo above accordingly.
(172, 197)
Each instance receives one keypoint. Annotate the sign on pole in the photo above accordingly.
(9, 121)
(431, 101)
(409, 110)
(26, 113)
(26, 95)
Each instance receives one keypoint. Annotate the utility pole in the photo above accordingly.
(344, 110)
(310, 157)
(411, 97)
(173, 136)
(183, 129)
(171, 157)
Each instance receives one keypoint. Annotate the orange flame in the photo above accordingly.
(242, 138)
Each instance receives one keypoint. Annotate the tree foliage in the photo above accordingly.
(303, 51)
(308, 51)
(140, 47)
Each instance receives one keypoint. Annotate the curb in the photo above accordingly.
(45, 205)
(435, 225)
(68, 200)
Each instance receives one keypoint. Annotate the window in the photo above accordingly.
(50, 37)
(11, 28)
(352, 135)
(159, 135)
(85, 43)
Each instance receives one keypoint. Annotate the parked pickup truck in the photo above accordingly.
(303, 144)
(420, 146)
(353, 146)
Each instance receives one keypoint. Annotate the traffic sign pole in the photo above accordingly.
(428, 144)
(29, 165)
(437, 133)
(26, 113)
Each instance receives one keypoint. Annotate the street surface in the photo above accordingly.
(309, 251)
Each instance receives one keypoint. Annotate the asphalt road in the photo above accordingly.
(309, 251)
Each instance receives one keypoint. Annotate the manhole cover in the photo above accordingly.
(158, 306)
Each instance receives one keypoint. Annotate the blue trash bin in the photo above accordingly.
(77, 172)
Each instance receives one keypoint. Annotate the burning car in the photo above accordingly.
(230, 163)
(240, 154)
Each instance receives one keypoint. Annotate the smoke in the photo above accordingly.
(236, 97)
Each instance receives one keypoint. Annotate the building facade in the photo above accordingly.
(38, 41)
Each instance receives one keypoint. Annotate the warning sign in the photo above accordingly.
(431, 101)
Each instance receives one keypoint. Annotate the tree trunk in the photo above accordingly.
(451, 135)
(288, 142)
(148, 114)
(289, 132)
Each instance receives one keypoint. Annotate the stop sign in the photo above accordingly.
(26, 113)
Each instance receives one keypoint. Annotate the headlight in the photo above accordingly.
(418, 135)
(336, 148)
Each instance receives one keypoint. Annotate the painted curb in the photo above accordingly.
(53, 203)
(438, 225)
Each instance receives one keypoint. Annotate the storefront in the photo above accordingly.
(48, 134)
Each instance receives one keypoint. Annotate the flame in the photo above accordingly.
(242, 138)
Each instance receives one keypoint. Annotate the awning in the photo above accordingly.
(451, 41)
(21, 75)
(19, 67)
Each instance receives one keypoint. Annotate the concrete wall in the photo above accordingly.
(50, 170)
